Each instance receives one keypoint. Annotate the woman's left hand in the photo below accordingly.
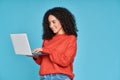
(37, 50)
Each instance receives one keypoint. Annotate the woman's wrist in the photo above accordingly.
(35, 57)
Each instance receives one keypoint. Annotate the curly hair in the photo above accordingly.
(66, 19)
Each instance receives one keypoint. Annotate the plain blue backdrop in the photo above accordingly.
(98, 22)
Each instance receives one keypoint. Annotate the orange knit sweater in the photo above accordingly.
(61, 50)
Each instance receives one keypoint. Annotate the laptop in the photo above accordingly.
(21, 44)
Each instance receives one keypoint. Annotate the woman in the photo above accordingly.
(59, 45)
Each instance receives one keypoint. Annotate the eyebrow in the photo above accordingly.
(52, 21)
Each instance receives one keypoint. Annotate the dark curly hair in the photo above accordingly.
(66, 19)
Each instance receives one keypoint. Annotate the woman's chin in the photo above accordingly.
(54, 32)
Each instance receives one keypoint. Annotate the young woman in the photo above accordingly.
(59, 45)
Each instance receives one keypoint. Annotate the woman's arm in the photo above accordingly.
(65, 58)
(38, 59)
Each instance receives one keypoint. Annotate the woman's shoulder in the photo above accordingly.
(71, 36)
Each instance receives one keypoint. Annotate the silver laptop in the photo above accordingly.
(21, 44)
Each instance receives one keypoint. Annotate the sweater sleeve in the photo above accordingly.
(38, 60)
(65, 58)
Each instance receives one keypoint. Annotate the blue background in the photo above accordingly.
(98, 22)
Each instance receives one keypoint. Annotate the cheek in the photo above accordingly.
(56, 27)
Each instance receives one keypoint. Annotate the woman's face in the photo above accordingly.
(55, 25)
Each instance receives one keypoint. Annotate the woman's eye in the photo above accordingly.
(53, 21)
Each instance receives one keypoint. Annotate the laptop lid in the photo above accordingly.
(21, 44)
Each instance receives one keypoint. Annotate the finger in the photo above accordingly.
(35, 50)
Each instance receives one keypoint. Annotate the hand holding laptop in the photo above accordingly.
(22, 47)
(37, 50)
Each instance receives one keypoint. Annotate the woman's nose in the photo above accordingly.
(51, 25)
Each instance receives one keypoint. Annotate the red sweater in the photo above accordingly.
(61, 50)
